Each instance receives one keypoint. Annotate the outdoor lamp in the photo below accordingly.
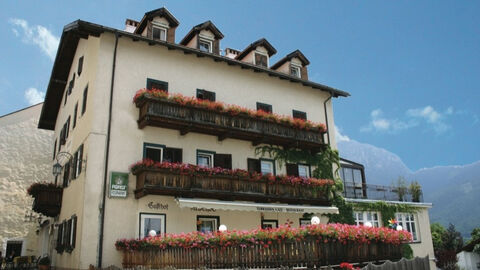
(222, 228)
(368, 224)
(315, 220)
(152, 233)
(57, 169)
(399, 228)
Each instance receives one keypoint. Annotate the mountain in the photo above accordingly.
(453, 190)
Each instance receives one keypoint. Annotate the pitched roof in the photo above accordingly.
(82, 29)
(297, 53)
(208, 25)
(161, 12)
(261, 42)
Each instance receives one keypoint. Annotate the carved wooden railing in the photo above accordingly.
(167, 114)
(48, 201)
(307, 253)
(166, 182)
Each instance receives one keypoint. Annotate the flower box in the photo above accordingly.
(47, 198)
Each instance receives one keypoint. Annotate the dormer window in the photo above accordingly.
(159, 33)
(261, 59)
(295, 71)
(205, 45)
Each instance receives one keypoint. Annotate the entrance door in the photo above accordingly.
(15, 246)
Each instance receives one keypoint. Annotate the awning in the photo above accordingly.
(256, 207)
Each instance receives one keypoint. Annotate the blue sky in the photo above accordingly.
(413, 68)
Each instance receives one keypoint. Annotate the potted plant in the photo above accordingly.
(416, 190)
(401, 188)
(44, 263)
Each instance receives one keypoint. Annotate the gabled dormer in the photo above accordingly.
(294, 64)
(205, 37)
(158, 24)
(258, 53)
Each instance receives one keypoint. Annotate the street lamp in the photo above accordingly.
(222, 228)
(368, 224)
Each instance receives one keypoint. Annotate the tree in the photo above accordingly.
(437, 232)
(452, 239)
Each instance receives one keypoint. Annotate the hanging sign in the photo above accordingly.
(118, 184)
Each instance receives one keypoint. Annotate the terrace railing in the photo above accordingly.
(167, 114)
(48, 201)
(377, 192)
(166, 182)
(307, 253)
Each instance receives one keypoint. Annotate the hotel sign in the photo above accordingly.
(281, 209)
(118, 185)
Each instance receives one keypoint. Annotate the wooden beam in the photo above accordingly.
(223, 136)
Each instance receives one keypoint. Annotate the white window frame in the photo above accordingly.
(402, 221)
(307, 169)
(207, 218)
(205, 41)
(79, 155)
(207, 155)
(297, 68)
(155, 147)
(143, 216)
(267, 161)
(262, 53)
(361, 217)
(161, 28)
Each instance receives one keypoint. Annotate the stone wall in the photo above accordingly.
(25, 157)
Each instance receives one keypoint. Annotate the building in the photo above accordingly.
(468, 258)
(358, 192)
(25, 159)
(100, 133)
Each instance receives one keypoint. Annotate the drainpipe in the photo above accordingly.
(326, 117)
(107, 152)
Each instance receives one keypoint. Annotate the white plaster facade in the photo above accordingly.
(468, 260)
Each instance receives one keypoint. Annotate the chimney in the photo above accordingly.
(231, 53)
(130, 25)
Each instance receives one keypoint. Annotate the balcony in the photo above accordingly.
(375, 192)
(160, 181)
(47, 200)
(166, 113)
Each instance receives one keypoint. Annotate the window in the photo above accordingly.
(67, 127)
(205, 45)
(71, 84)
(54, 149)
(261, 59)
(155, 84)
(148, 222)
(362, 217)
(207, 223)
(84, 104)
(302, 170)
(75, 116)
(222, 161)
(66, 173)
(204, 94)
(263, 166)
(299, 114)
(66, 97)
(80, 66)
(153, 151)
(295, 71)
(77, 162)
(159, 33)
(407, 221)
(172, 155)
(66, 235)
(305, 221)
(267, 166)
(264, 107)
(269, 223)
(205, 158)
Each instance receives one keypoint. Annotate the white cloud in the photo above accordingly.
(33, 96)
(432, 117)
(340, 137)
(379, 123)
(37, 35)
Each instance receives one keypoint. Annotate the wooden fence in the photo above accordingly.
(308, 253)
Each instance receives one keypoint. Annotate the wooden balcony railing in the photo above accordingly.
(377, 192)
(167, 114)
(308, 253)
(48, 201)
(166, 182)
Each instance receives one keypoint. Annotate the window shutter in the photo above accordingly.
(172, 155)
(223, 161)
(74, 232)
(216, 46)
(74, 166)
(66, 173)
(80, 158)
(80, 65)
(292, 169)
(253, 165)
(304, 73)
(149, 30)
(59, 236)
(54, 149)
(68, 235)
(84, 103)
